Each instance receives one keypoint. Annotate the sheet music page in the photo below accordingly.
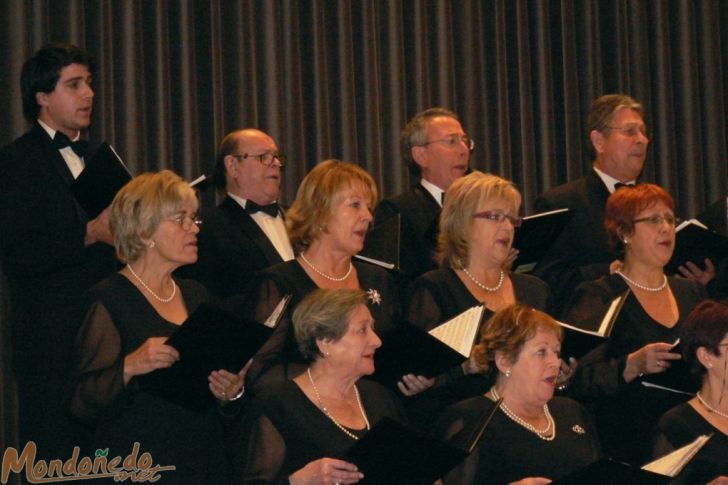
(275, 317)
(673, 463)
(459, 332)
(610, 315)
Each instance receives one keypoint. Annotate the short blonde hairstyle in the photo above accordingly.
(508, 331)
(464, 197)
(324, 315)
(319, 193)
(140, 206)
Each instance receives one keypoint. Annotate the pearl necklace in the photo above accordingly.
(328, 415)
(332, 278)
(482, 286)
(709, 407)
(643, 287)
(541, 433)
(163, 300)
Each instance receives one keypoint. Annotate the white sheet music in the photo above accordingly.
(274, 317)
(459, 332)
(673, 463)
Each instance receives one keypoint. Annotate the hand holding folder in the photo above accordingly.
(210, 339)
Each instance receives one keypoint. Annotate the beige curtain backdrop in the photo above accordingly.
(340, 78)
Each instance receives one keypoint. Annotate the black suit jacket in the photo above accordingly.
(232, 248)
(419, 228)
(43, 254)
(580, 253)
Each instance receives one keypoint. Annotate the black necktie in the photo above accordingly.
(270, 209)
(62, 141)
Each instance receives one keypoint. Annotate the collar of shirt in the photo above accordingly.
(52, 133)
(434, 190)
(610, 181)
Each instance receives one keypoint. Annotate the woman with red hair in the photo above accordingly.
(615, 377)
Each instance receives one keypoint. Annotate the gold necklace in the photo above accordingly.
(325, 410)
(541, 433)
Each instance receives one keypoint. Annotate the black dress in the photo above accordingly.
(626, 413)
(288, 431)
(119, 321)
(508, 452)
(680, 426)
(438, 296)
(279, 359)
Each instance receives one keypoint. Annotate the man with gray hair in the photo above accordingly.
(618, 136)
(437, 151)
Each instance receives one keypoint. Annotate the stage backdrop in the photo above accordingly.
(340, 78)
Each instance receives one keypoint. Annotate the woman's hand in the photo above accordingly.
(152, 355)
(692, 272)
(722, 480)
(326, 471)
(226, 386)
(650, 359)
(566, 372)
(411, 384)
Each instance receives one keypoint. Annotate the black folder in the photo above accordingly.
(715, 216)
(695, 243)
(410, 350)
(610, 472)
(210, 339)
(98, 183)
(382, 243)
(392, 453)
(579, 340)
(535, 236)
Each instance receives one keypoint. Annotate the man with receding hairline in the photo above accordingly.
(437, 151)
(246, 232)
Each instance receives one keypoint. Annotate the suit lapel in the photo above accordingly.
(247, 228)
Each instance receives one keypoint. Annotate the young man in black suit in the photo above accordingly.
(437, 151)
(51, 252)
(246, 232)
(618, 135)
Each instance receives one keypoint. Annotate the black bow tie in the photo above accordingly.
(62, 141)
(270, 209)
(619, 185)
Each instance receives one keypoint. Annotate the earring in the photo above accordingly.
(508, 373)
(327, 354)
(625, 241)
(710, 365)
(152, 244)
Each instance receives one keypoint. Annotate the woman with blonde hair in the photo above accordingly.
(132, 313)
(327, 225)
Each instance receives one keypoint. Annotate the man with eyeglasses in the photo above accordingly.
(437, 151)
(618, 136)
(246, 232)
(51, 252)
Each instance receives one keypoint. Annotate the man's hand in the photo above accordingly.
(99, 230)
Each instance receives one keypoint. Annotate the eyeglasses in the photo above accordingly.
(631, 131)
(185, 222)
(658, 220)
(453, 140)
(265, 158)
(499, 216)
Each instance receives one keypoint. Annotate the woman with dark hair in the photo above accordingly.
(612, 377)
(704, 339)
(327, 225)
(534, 437)
(298, 427)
